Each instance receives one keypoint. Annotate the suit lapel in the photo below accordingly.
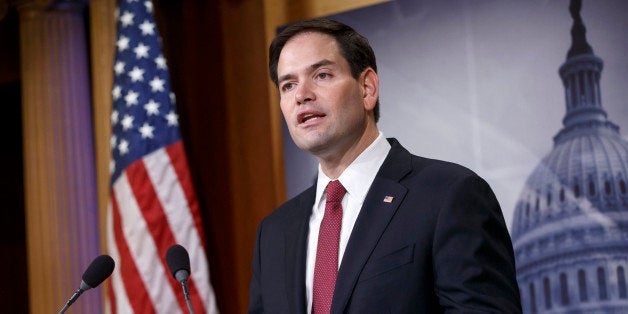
(296, 247)
(380, 205)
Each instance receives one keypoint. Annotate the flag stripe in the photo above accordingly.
(145, 192)
(180, 165)
(198, 258)
(135, 289)
(117, 295)
(179, 215)
(143, 250)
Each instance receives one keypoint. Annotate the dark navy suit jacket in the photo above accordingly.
(440, 246)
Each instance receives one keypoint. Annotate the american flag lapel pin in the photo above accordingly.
(388, 199)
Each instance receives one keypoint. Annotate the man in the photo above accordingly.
(382, 231)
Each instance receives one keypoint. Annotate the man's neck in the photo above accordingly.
(334, 166)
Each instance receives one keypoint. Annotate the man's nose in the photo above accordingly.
(304, 93)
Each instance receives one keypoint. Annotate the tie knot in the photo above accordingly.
(335, 191)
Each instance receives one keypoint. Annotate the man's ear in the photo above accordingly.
(370, 88)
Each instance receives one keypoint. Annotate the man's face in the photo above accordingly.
(323, 105)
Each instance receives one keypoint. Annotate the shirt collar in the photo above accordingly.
(359, 175)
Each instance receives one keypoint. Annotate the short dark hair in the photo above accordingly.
(354, 47)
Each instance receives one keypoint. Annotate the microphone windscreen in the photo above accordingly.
(177, 259)
(100, 268)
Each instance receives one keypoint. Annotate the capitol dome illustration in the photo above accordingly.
(570, 225)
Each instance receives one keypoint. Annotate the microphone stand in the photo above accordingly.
(186, 293)
(71, 300)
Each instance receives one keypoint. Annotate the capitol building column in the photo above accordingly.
(60, 185)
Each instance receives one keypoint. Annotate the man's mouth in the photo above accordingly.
(309, 116)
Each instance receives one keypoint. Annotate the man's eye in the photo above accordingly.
(323, 75)
(286, 86)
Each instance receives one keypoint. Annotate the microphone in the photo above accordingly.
(178, 262)
(100, 268)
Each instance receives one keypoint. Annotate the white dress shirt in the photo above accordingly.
(357, 180)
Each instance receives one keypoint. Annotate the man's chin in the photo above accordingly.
(313, 147)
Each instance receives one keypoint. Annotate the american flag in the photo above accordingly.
(152, 203)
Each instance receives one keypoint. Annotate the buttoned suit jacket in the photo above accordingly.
(440, 246)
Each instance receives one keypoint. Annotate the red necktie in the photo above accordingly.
(326, 266)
